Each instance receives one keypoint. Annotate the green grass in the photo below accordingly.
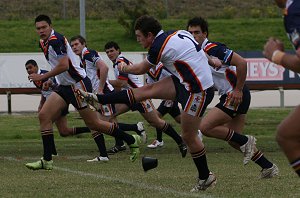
(238, 34)
(74, 177)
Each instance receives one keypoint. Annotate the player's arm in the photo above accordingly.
(138, 68)
(119, 83)
(274, 51)
(62, 66)
(103, 72)
(241, 70)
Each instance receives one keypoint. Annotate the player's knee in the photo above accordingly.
(43, 116)
(281, 135)
(204, 129)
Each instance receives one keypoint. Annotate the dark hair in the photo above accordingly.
(80, 38)
(43, 17)
(112, 44)
(147, 24)
(32, 62)
(198, 21)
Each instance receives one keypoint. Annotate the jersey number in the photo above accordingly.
(198, 48)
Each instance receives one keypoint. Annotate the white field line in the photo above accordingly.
(139, 185)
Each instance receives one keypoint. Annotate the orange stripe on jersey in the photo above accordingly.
(201, 104)
(53, 37)
(209, 46)
(156, 72)
(164, 45)
(122, 78)
(191, 72)
(86, 52)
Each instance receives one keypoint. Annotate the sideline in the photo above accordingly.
(123, 181)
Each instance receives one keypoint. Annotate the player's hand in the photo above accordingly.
(35, 77)
(47, 85)
(217, 63)
(121, 66)
(272, 45)
(235, 97)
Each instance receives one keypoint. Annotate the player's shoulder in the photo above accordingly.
(56, 39)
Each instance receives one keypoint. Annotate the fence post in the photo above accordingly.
(8, 93)
(281, 92)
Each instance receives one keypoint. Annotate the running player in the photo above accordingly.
(70, 76)
(288, 132)
(97, 71)
(230, 82)
(166, 106)
(126, 81)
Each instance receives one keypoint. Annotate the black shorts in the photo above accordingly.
(143, 107)
(67, 92)
(170, 107)
(233, 111)
(194, 104)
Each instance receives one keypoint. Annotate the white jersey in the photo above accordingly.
(133, 81)
(56, 47)
(156, 73)
(89, 59)
(181, 55)
(224, 77)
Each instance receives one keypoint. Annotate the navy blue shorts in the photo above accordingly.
(67, 92)
(233, 111)
(170, 107)
(193, 104)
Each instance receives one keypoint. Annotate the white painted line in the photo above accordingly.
(139, 185)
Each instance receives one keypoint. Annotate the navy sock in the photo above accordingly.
(128, 127)
(79, 130)
(296, 166)
(123, 97)
(158, 135)
(119, 134)
(99, 139)
(48, 143)
(236, 137)
(200, 161)
(169, 130)
(260, 159)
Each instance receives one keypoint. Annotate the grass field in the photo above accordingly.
(238, 34)
(174, 177)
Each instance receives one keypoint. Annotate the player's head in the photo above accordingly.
(112, 50)
(31, 66)
(146, 28)
(198, 27)
(43, 26)
(77, 44)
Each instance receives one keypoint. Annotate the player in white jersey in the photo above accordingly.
(46, 87)
(97, 71)
(70, 76)
(228, 117)
(191, 84)
(125, 81)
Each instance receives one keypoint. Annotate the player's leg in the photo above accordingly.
(268, 169)
(189, 126)
(156, 91)
(288, 138)
(47, 115)
(92, 120)
(158, 142)
(163, 127)
(212, 125)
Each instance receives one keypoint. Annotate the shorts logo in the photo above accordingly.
(194, 108)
